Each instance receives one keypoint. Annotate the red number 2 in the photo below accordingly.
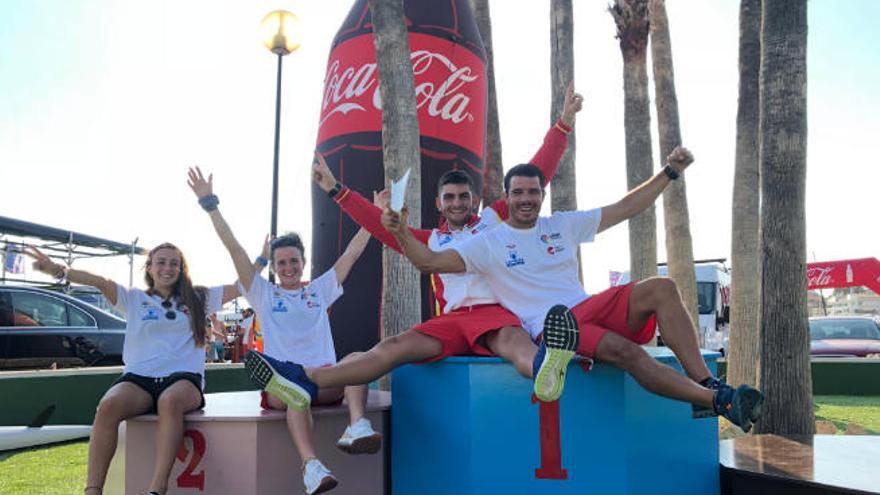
(551, 450)
(187, 478)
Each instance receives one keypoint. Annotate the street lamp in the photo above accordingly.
(281, 37)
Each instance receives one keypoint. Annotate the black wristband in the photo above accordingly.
(671, 172)
(209, 203)
(335, 190)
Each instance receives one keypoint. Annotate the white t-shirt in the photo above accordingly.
(531, 270)
(295, 323)
(154, 345)
(457, 290)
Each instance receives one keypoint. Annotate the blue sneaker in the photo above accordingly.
(285, 380)
(698, 411)
(741, 406)
(560, 343)
(539, 358)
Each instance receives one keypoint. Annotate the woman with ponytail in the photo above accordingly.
(163, 353)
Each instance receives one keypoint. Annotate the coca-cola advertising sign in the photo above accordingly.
(450, 92)
(820, 276)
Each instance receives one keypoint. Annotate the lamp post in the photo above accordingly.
(281, 38)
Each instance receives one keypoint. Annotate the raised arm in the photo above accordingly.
(203, 190)
(644, 195)
(356, 206)
(426, 260)
(44, 264)
(354, 250)
(554, 145)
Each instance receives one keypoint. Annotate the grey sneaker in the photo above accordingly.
(317, 478)
(360, 438)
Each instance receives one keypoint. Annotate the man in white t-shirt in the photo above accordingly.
(530, 264)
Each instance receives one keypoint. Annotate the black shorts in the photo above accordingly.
(155, 386)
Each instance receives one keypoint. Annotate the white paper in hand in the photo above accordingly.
(398, 192)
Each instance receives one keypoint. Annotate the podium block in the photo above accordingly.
(235, 447)
(470, 425)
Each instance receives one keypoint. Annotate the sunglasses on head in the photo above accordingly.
(169, 314)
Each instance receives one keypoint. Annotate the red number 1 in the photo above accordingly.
(551, 450)
(187, 478)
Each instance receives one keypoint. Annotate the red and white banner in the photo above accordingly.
(863, 272)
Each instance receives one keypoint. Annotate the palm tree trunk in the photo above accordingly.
(631, 17)
(679, 246)
(401, 298)
(785, 338)
(493, 169)
(743, 365)
(563, 192)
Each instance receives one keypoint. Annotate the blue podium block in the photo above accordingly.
(470, 425)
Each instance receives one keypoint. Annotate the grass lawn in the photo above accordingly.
(55, 470)
(845, 409)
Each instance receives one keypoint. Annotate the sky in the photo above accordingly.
(105, 103)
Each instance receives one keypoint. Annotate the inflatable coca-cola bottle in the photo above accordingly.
(449, 66)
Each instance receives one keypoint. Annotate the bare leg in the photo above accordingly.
(355, 395)
(660, 296)
(299, 423)
(363, 368)
(123, 400)
(652, 375)
(515, 345)
(177, 400)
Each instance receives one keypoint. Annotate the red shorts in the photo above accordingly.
(461, 330)
(606, 312)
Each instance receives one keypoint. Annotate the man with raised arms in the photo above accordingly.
(530, 263)
(470, 320)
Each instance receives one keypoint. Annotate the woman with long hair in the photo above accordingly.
(164, 356)
(296, 327)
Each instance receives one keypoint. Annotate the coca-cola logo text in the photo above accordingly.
(344, 89)
(819, 276)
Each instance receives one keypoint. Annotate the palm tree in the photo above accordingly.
(743, 364)
(563, 193)
(679, 246)
(631, 17)
(493, 170)
(401, 306)
(563, 196)
(785, 338)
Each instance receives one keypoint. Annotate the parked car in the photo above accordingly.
(41, 328)
(845, 336)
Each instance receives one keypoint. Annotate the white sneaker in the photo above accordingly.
(360, 438)
(317, 478)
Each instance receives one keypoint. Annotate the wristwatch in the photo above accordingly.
(335, 190)
(671, 172)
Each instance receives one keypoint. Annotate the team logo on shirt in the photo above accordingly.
(311, 299)
(479, 228)
(278, 306)
(513, 259)
(444, 239)
(549, 239)
(149, 312)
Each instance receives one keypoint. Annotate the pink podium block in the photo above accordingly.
(235, 447)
